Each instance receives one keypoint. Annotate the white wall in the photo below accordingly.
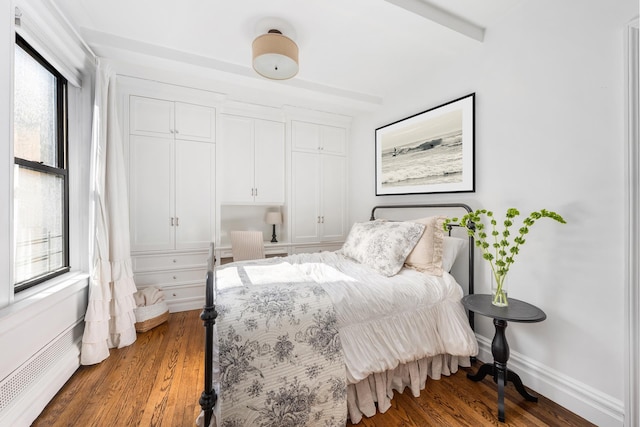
(549, 134)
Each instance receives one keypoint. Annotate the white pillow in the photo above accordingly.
(450, 249)
(382, 245)
(426, 256)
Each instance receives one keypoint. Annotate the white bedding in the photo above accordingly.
(387, 321)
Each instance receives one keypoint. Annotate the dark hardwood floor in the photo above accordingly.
(158, 380)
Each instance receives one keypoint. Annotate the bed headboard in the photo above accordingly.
(448, 209)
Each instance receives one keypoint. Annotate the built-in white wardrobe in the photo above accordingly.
(199, 165)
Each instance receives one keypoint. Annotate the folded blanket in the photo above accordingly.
(148, 296)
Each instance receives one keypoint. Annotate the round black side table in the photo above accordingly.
(516, 311)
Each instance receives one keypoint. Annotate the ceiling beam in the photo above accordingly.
(442, 17)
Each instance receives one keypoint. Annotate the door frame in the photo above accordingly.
(632, 308)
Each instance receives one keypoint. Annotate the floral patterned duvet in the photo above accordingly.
(280, 359)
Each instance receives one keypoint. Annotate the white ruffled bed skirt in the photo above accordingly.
(378, 388)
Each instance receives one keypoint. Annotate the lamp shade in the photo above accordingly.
(273, 218)
(275, 56)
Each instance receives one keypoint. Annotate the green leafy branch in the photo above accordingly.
(496, 246)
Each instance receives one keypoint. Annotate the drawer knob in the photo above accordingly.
(174, 277)
(174, 295)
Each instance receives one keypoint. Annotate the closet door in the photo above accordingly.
(195, 122)
(195, 166)
(236, 159)
(334, 140)
(305, 197)
(269, 162)
(305, 136)
(151, 117)
(151, 193)
(334, 183)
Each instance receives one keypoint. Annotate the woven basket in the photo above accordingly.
(152, 323)
(150, 316)
(146, 312)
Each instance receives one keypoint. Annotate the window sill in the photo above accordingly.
(42, 296)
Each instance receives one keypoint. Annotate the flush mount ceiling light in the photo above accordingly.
(275, 56)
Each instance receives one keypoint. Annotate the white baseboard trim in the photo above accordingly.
(582, 399)
(186, 304)
(26, 407)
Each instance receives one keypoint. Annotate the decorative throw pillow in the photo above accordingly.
(426, 256)
(451, 249)
(382, 245)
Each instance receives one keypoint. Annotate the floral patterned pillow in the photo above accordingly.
(382, 245)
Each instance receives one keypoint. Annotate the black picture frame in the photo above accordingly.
(429, 152)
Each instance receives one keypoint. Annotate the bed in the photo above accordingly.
(314, 339)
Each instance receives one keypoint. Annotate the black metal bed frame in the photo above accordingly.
(209, 397)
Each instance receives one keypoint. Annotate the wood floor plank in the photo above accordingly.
(158, 380)
(157, 413)
(192, 373)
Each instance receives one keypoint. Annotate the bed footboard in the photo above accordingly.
(208, 398)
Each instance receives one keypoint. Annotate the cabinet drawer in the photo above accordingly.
(277, 249)
(316, 248)
(169, 261)
(225, 253)
(181, 293)
(169, 278)
(269, 250)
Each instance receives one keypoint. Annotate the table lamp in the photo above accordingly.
(273, 218)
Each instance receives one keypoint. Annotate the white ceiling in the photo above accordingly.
(359, 49)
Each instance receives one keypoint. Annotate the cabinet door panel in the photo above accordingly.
(151, 117)
(269, 162)
(333, 202)
(195, 166)
(334, 140)
(305, 136)
(235, 159)
(151, 193)
(305, 196)
(195, 122)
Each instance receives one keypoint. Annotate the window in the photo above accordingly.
(41, 206)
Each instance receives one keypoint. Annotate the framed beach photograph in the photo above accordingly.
(429, 152)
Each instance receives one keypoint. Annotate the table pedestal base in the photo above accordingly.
(498, 369)
(501, 379)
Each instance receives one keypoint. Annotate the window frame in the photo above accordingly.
(61, 168)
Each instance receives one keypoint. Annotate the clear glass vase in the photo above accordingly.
(499, 290)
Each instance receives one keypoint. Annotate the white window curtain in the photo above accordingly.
(110, 320)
